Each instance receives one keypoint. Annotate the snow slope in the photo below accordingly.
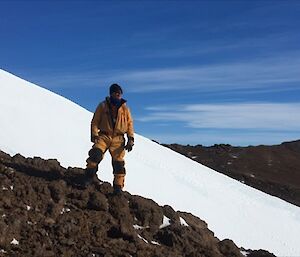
(37, 122)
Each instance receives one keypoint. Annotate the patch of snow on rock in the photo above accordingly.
(135, 226)
(140, 237)
(14, 242)
(245, 253)
(183, 222)
(166, 222)
(65, 210)
(155, 243)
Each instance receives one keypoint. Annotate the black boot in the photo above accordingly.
(90, 175)
(117, 190)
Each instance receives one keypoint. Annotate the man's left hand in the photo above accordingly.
(130, 144)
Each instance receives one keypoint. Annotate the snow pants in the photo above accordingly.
(115, 145)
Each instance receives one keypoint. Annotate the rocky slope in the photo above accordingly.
(272, 169)
(45, 212)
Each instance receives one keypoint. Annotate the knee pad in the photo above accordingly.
(91, 167)
(95, 155)
(118, 167)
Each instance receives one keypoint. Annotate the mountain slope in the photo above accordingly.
(273, 169)
(36, 122)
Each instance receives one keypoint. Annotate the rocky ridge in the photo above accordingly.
(45, 212)
(274, 169)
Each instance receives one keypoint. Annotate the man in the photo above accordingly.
(111, 120)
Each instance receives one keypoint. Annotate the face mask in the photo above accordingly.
(115, 101)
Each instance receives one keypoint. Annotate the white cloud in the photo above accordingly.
(209, 46)
(259, 116)
(268, 74)
(272, 73)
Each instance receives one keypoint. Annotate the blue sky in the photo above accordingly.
(193, 72)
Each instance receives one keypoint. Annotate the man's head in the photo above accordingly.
(115, 91)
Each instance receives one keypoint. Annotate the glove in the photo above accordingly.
(130, 144)
(94, 139)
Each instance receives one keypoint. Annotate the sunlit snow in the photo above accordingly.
(135, 226)
(14, 242)
(155, 243)
(183, 222)
(166, 222)
(140, 237)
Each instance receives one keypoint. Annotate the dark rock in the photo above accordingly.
(260, 253)
(79, 198)
(51, 216)
(147, 212)
(171, 214)
(228, 248)
(98, 202)
(57, 190)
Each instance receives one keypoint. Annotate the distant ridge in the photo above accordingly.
(272, 169)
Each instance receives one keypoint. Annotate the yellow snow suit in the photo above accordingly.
(107, 133)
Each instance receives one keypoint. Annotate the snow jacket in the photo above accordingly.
(102, 121)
